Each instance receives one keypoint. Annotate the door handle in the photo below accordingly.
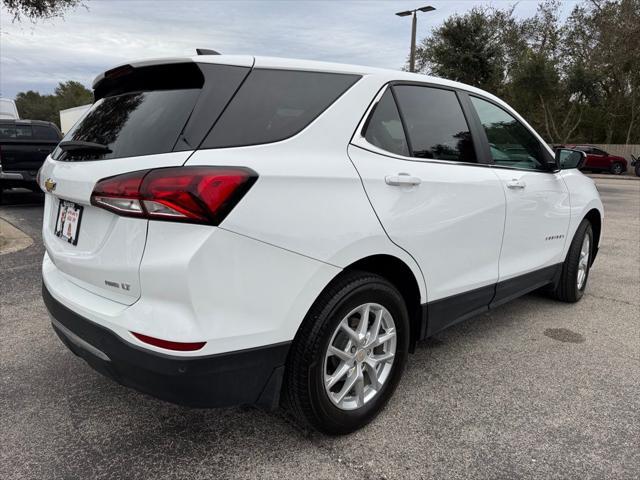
(402, 179)
(516, 184)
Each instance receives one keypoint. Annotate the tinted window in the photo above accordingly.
(597, 151)
(384, 128)
(41, 132)
(132, 124)
(15, 132)
(275, 104)
(435, 123)
(512, 144)
(152, 110)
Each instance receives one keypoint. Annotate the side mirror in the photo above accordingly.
(568, 158)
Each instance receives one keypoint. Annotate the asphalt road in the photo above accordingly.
(534, 389)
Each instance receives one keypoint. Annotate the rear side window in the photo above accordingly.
(276, 104)
(42, 132)
(145, 111)
(435, 123)
(384, 128)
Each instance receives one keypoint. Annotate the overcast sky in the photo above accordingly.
(106, 33)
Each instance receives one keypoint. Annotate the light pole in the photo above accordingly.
(406, 13)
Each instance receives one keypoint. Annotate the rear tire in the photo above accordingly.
(637, 168)
(617, 168)
(575, 269)
(322, 350)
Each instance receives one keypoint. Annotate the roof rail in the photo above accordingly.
(206, 51)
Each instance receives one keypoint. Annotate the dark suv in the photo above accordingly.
(24, 145)
(599, 161)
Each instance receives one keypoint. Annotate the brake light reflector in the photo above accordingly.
(188, 194)
(169, 345)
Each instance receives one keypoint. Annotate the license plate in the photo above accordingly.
(68, 221)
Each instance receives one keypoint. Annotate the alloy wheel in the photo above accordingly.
(359, 357)
(583, 262)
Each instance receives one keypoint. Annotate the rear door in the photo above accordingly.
(147, 117)
(418, 163)
(538, 209)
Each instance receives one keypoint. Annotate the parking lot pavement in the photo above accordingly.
(534, 389)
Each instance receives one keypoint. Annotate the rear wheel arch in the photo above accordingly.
(400, 275)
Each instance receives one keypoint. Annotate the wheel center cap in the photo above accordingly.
(360, 356)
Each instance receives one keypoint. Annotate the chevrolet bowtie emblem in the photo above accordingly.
(50, 185)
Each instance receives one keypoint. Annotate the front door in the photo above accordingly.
(538, 209)
(419, 169)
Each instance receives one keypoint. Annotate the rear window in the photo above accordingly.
(145, 111)
(15, 132)
(133, 124)
(44, 133)
(276, 104)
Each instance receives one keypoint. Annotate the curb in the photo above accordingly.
(612, 177)
(12, 239)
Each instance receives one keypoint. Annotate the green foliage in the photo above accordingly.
(575, 80)
(38, 9)
(34, 106)
(468, 48)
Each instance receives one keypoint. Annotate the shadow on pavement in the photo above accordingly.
(19, 196)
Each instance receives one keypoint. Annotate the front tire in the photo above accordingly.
(575, 269)
(348, 355)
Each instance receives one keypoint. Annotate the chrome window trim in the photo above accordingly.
(359, 140)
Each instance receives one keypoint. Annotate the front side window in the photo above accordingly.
(384, 128)
(511, 143)
(435, 123)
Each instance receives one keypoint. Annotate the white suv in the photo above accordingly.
(222, 229)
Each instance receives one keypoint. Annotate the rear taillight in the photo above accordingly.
(184, 194)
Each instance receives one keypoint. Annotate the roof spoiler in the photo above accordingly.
(206, 51)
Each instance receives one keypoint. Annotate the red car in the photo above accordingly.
(598, 160)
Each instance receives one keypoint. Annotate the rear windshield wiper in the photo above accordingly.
(80, 146)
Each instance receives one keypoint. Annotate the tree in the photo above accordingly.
(575, 80)
(72, 94)
(34, 106)
(38, 9)
(469, 48)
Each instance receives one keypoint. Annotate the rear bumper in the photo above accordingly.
(252, 376)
